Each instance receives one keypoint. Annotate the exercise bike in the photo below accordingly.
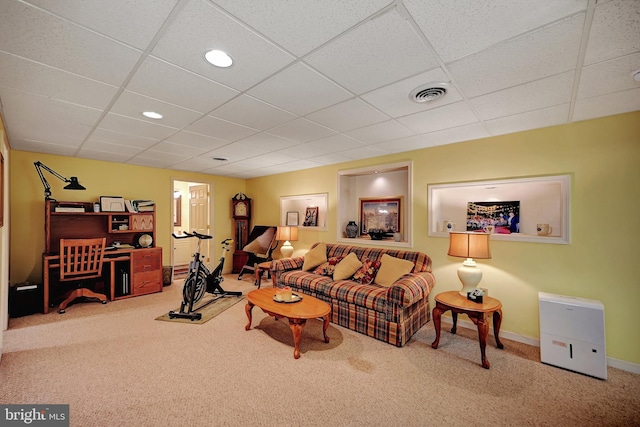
(200, 280)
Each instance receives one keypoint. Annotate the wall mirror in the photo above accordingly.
(530, 209)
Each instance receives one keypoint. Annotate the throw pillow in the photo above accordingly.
(391, 269)
(327, 268)
(367, 272)
(315, 257)
(345, 269)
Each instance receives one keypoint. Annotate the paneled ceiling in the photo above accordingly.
(313, 82)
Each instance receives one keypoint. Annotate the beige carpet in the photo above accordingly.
(115, 365)
(208, 312)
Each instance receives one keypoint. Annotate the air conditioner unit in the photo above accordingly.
(572, 334)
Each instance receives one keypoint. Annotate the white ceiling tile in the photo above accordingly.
(615, 31)
(551, 116)
(405, 144)
(609, 76)
(115, 18)
(231, 152)
(457, 134)
(42, 37)
(348, 115)
(137, 127)
(148, 162)
(201, 27)
(117, 157)
(196, 164)
(527, 97)
(300, 90)
(363, 152)
(276, 157)
(45, 147)
(253, 113)
(607, 105)
(309, 24)
(163, 81)
(33, 77)
(95, 145)
(263, 143)
(179, 149)
(122, 139)
(445, 117)
(132, 105)
(543, 53)
(380, 132)
(379, 52)
(221, 129)
(394, 98)
(164, 156)
(196, 140)
(301, 130)
(328, 145)
(483, 23)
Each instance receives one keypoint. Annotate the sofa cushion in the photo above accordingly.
(391, 269)
(345, 268)
(367, 272)
(370, 296)
(315, 257)
(313, 284)
(327, 268)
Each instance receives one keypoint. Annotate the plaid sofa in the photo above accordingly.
(391, 314)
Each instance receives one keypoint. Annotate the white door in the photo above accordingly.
(199, 217)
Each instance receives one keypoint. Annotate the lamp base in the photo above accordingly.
(470, 276)
(286, 249)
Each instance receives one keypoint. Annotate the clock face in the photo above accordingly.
(241, 209)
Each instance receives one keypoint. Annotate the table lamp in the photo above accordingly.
(469, 246)
(287, 233)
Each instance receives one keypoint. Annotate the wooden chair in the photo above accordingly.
(81, 261)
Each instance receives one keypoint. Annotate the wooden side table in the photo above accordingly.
(477, 312)
(260, 269)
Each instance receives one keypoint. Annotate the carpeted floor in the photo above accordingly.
(115, 365)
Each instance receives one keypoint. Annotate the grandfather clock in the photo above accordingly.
(241, 213)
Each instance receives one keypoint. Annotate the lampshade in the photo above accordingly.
(287, 233)
(74, 184)
(469, 246)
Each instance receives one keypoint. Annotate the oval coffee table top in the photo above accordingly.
(308, 308)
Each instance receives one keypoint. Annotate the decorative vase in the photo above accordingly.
(351, 229)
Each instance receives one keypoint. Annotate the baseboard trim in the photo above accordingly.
(614, 363)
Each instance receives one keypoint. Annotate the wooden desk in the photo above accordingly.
(477, 312)
(143, 268)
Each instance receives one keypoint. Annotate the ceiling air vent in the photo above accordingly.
(429, 93)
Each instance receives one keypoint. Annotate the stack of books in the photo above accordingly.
(140, 205)
(69, 207)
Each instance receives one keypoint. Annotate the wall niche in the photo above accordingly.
(371, 186)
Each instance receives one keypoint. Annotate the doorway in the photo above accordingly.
(191, 212)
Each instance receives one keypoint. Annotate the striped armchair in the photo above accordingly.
(391, 314)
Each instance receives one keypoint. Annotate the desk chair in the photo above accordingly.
(260, 246)
(81, 261)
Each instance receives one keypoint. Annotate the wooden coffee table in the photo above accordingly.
(477, 312)
(297, 312)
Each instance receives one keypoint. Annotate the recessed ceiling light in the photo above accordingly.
(152, 115)
(218, 58)
(220, 159)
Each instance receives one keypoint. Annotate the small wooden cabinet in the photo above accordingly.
(147, 271)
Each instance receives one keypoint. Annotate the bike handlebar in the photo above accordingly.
(187, 235)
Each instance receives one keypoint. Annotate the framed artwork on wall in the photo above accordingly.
(381, 214)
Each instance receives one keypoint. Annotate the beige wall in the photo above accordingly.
(100, 179)
(603, 156)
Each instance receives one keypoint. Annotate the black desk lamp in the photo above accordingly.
(73, 182)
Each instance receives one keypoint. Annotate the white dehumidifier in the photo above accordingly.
(572, 334)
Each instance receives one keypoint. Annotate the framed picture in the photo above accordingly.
(177, 211)
(381, 214)
(292, 218)
(111, 204)
(311, 217)
(504, 216)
